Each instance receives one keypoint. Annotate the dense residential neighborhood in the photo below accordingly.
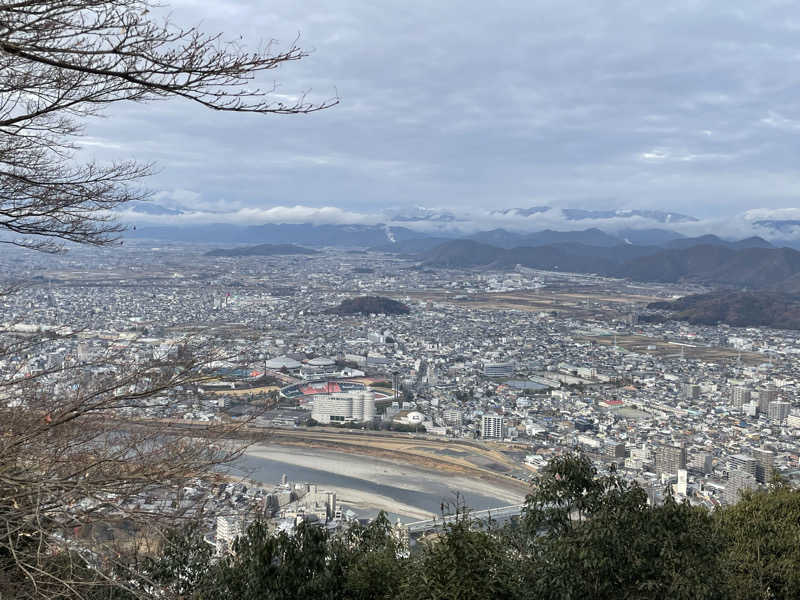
(701, 411)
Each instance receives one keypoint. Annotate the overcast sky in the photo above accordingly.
(685, 106)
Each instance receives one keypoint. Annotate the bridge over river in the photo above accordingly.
(499, 515)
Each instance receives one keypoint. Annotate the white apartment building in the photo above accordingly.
(340, 407)
(492, 427)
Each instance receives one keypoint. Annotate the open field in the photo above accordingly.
(246, 391)
(567, 301)
(639, 344)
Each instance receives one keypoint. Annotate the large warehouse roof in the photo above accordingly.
(282, 361)
(321, 361)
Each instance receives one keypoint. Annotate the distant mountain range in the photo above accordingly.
(751, 263)
(755, 268)
(305, 234)
(508, 239)
(471, 254)
(410, 247)
(738, 309)
(333, 226)
(744, 264)
(713, 240)
(261, 250)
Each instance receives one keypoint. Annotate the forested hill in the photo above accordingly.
(752, 267)
(262, 250)
(370, 305)
(738, 309)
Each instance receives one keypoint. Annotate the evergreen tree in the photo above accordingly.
(762, 544)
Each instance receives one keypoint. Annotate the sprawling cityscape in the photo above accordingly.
(399, 300)
(488, 376)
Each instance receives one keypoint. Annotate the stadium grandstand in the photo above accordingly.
(309, 389)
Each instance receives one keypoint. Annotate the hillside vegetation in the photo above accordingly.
(738, 309)
(370, 305)
(752, 266)
(262, 250)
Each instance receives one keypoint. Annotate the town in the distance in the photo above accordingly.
(370, 379)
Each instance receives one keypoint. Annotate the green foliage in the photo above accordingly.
(569, 491)
(582, 535)
(595, 536)
(182, 563)
(762, 541)
(642, 552)
(364, 563)
(467, 562)
(266, 566)
(370, 305)
(370, 557)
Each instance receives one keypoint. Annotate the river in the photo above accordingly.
(368, 485)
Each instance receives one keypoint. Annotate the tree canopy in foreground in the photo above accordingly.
(614, 546)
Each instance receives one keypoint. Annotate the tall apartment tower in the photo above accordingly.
(690, 391)
(668, 459)
(396, 385)
(683, 482)
(492, 427)
(702, 462)
(743, 463)
(614, 450)
(765, 396)
(740, 396)
(778, 411)
(765, 464)
(738, 481)
(228, 529)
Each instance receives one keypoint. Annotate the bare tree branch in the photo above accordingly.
(76, 448)
(61, 61)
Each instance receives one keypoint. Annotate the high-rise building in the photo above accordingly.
(765, 396)
(453, 416)
(702, 463)
(683, 482)
(668, 459)
(750, 409)
(740, 396)
(396, 385)
(765, 464)
(690, 391)
(492, 427)
(738, 481)
(614, 450)
(742, 462)
(778, 411)
(228, 529)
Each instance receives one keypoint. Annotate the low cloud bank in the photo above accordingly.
(185, 208)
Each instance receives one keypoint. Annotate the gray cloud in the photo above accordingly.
(192, 210)
(682, 106)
